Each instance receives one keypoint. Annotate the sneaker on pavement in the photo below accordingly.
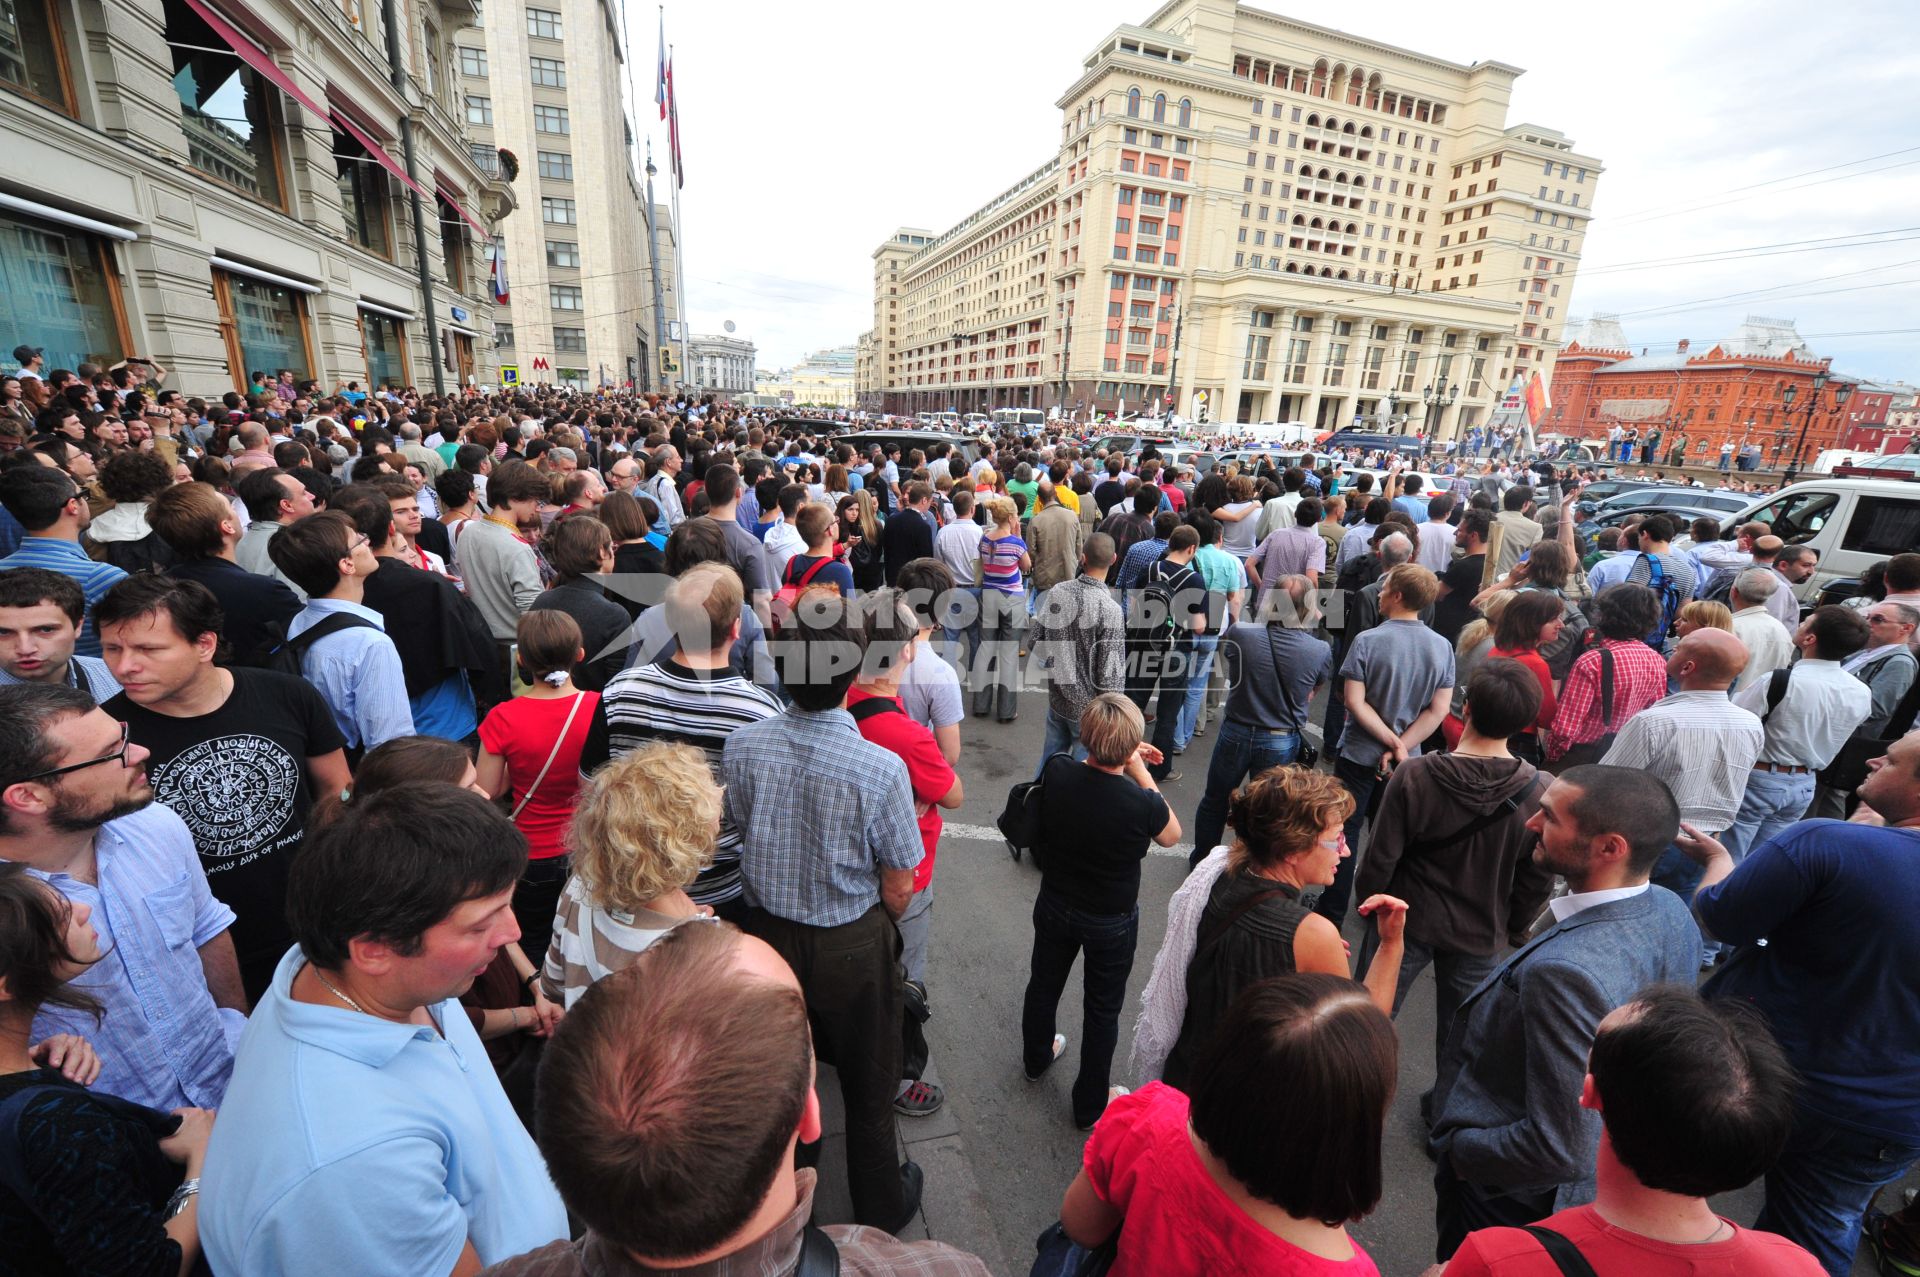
(922, 1099)
(1059, 1045)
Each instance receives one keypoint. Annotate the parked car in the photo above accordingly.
(1682, 515)
(1667, 499)
(1367, 440)
(1851, 523)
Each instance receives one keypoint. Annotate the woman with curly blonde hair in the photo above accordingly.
(644, 829)
(1245, 913)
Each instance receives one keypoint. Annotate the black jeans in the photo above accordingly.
(1169, 692)
(535, 898)
(850, 978)
(1363, 782)
(1059, 932)
(1460, 1208)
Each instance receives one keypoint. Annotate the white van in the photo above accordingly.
(1298, 432)
(1852, 523)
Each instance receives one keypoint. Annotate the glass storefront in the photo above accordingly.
(55, 292)
(386, 341)
(269, 323)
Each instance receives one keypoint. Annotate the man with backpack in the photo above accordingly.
(1172, 610)
(1809, 709)
(1669, 575)
(337, 643)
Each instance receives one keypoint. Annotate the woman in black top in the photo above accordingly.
(634, 557)
(89, 1184)
(1288, 825)
(579, 547)
(1096, 819)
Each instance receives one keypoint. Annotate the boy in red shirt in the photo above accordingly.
(1695, 1098)
(890, 630)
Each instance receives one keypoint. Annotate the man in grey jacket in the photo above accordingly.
(1512, 1142)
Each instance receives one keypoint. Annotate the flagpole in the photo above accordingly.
(679, 260)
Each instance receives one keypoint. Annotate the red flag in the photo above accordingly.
(673, 129)
(1537, 400)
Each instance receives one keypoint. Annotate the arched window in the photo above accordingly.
(1159, 108)
(1319, 84)
(1313, 121)
(1133, 103)
(1333, 125)
(1186, 113)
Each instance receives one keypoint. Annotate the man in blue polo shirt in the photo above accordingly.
(52, 510)
(365, 1130)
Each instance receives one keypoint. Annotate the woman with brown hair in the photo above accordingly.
(530, 755)
(634, 555)
(580, 549)
(1239, 517)
(96, 1177)
(1277, 1151)
(1530, 623)
(1245, 913)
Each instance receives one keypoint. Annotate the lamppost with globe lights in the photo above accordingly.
(1841, 393)
(1442, 397)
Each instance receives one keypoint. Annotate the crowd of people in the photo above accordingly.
(442, 835)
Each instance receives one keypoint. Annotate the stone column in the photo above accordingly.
(1239, 324)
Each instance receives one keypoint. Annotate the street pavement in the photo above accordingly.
(1001, 1152)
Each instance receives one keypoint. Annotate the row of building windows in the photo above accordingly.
(550, 73)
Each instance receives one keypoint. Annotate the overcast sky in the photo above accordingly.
(811, 132)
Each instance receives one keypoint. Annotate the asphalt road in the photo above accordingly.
(1000, 1156)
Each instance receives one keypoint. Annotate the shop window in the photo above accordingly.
(58, 286)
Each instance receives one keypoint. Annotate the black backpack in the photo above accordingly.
(1019, 820)
(285, 657)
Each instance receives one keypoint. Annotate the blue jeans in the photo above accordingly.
(960, 628)
(1204, 646)
(1773, 801)
(1062, 737)
(1822, 1183)
(1060, 932)
(1239, 751)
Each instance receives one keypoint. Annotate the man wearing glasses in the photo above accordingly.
(76, 810)
(1888, 667)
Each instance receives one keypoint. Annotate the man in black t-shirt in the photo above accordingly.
(1461, 581)
(1176, 593)
(237, 754)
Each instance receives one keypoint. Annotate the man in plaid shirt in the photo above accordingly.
(1622, 615)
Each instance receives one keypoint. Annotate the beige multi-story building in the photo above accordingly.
(224, 187)
(1268, 220)
(541, 82)
(720, 365)
(824, 379)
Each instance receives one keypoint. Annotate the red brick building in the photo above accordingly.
(1709, 397)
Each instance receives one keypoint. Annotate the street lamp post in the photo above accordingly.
(1841, 394)
(1443, 397)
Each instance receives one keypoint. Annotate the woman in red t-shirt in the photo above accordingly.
(530, 753)
(1249, 1177)
(1532, 620)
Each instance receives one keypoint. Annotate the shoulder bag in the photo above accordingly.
(1595, 750)
(1565, 1255)
(552, 754)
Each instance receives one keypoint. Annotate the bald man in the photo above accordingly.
(1697, 741)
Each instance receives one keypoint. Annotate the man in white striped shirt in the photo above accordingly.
(1697, 741)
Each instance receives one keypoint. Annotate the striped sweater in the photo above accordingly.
(667, 701)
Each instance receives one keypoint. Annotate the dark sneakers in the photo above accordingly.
(922, 1099)
(912, 1182)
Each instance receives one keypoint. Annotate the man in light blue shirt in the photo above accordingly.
(77, 811)
(40, 617)
(353, 664)
(52, 511)
(365, 1130)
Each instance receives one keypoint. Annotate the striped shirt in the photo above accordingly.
(591, 943)
(1000, 563)
(1702, 745)
(668, 701)
(68, 559)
